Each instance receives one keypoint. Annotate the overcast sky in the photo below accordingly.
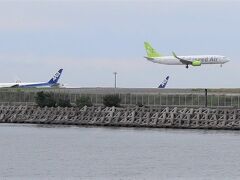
(92, 39)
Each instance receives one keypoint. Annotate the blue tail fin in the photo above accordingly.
(164, 83)
(56, 77)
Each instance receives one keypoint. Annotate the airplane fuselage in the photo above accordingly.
(53, 82)
(34, 84)
(205, 59)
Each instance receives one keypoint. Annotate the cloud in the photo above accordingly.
(35, 16)
(66, 15)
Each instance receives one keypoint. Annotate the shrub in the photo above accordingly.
(63, 103)
(140, 105)
(112, 100)
(84, 101)
(45, 99)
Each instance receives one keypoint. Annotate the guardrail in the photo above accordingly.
(149, 97)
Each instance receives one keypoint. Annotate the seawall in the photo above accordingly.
(154, 117)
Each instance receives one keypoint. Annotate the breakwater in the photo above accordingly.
(157, 117)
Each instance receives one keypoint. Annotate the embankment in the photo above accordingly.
(156, 117)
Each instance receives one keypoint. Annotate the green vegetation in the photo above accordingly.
(84, 101)
(140, 104)
(64, 103)
(43, 99)
(111, 100)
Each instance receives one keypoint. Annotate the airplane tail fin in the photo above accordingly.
(56, 77)
(151, 52)
(164, 83)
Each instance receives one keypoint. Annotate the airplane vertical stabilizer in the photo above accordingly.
(164, 83)
(56, 77)
(151, 52)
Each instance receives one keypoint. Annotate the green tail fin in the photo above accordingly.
(150, 51)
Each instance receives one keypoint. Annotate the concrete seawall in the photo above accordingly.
(156, 117)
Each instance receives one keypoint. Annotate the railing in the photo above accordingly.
(149, 99)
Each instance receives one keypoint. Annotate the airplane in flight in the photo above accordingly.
(193, 60)
(53, 82)
(164, 83)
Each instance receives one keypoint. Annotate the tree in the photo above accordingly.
(83, 101)
(112, 100)
(43, 99)
(64, 103)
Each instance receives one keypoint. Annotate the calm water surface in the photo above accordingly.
(70, 152)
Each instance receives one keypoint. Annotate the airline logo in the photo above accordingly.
(209, 59)
(206, 59)
(164, 83)
(56, 76)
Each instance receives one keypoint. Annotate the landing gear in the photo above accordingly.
(220, 65)
(187, 66)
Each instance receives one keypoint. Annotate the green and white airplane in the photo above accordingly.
(194, 60)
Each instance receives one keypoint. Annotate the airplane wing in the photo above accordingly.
(10, 85)
(14, 86)
(149, 58)
(184, 61)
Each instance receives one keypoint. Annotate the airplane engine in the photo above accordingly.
(196, 63)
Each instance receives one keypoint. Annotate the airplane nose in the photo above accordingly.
(226, 60)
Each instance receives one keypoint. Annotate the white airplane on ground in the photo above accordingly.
(51, 83)
(194, 60)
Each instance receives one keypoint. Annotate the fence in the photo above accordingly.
(18, 96)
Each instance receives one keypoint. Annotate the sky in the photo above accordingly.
(92, 39)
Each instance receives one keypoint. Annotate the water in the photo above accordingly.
(68, 152)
